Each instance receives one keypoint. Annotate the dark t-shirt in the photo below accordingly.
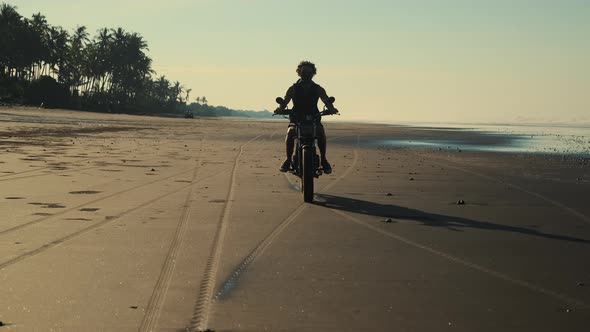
(305, 99)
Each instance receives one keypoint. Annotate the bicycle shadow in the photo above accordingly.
(428, 219)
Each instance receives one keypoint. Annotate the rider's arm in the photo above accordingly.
(288, 96)
(326, 100)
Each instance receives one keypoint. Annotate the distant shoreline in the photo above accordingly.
(553, 140)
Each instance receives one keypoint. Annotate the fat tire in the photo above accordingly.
(307, 176)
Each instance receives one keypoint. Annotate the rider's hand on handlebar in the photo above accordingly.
(280, 111)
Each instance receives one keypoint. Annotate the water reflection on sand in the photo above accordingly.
(568, 140)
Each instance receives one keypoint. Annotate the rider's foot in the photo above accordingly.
(286, 166)
(326, 166)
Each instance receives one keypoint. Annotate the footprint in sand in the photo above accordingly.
(217, 201)
(48, 205)
(84, 192)
(89, 209)
(54, 206)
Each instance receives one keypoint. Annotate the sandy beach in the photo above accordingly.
(124, 223)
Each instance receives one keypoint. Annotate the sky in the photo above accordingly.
(384, 61)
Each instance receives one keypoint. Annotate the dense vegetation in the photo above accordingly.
(41, 64)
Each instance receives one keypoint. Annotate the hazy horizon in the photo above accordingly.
(518, 61)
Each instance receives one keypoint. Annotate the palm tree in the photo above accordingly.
(162, 86)
(41, 47)
(176, 92)
(130, 66)
(57, 41)
(104, 66)
(10, 26)
(71, 69)
(188, 92)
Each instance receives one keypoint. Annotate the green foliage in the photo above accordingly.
(47, 91)
(43, 64)
(206, 110)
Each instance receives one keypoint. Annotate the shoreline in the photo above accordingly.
(509, 138)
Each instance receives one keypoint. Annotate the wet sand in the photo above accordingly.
(127, 223)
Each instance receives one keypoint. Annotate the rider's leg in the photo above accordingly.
(290, 142)
(321, 134)
(289, 147)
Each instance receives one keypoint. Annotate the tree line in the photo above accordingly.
(41, 64)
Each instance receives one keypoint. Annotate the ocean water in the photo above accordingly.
(534, 138)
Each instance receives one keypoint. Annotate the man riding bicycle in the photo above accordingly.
(305, 94)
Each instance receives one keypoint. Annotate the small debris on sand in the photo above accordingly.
(411, 179)
(388, 220)
(460, 202)
(389, 194)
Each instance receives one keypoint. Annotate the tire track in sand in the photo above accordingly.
(201, 311)
(156, 302)
(230, 283)
(154, 307)
(39, 220)
(98, 224)
(203, 307)
(477, 267)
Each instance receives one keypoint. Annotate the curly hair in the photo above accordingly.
(306, 64)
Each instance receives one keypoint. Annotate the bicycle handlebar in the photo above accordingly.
(288, 111)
